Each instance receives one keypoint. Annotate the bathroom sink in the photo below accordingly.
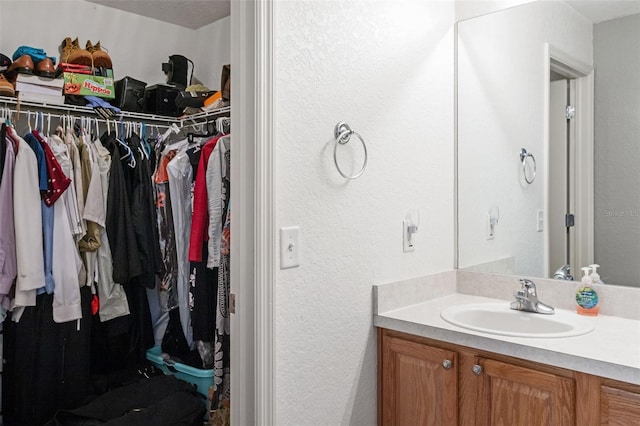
(499, 318)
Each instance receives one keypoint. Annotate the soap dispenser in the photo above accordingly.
(586, 296)
(595, 277)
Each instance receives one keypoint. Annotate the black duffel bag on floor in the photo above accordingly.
(156, 401)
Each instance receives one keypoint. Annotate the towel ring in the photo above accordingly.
(342, 134)
(523, 157)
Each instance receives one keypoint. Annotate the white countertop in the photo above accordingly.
(611, 350)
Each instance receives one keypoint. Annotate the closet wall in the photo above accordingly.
(137, 45)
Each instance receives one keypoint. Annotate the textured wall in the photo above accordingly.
(386, 68)
(137, 45)
(501, 110)
(617, 149)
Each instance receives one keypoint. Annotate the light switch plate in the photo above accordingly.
(289, 247)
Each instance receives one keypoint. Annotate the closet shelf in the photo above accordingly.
(124, 115)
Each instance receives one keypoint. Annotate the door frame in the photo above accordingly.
(565, 64)
(253, 225)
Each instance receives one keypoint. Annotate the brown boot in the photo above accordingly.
(101, 59)
(72, 54)
(6, 88)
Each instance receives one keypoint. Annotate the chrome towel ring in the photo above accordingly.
(523, 157)
(342, 133)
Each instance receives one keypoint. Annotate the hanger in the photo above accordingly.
(191, 135)
(223, 125)
(146, 148)
(129, 154)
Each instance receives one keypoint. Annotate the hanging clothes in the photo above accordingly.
(165, 298)
(66, 262)
(8, 261)
(3, 149)
(181, 176)
(123, 341)
(203, 282)
(28, 227)
(46, 352)
(218, 193)
(62, 153)
(93, 212)
(118, 222)
(113, 299)
(219, 181)
(200, 216)
(143, 216)
(72, 146)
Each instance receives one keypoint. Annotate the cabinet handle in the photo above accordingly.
(447, 364)
(477, 369)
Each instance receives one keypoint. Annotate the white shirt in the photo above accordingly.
(180, 179)
(28, 224)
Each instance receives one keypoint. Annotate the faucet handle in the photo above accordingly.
(527, 284)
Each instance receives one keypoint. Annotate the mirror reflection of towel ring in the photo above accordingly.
(343, 133)
(523, 157)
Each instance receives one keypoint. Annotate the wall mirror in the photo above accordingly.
(548, 140)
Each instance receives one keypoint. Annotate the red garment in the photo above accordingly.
(58, 181)
(161, 175)
(200, 218)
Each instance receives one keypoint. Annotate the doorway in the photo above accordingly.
(561, 177)
(569, 175)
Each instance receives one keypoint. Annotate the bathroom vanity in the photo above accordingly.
(431, 372)
(430, 382)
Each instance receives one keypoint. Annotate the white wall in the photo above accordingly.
(466, 9)
(386, 68)
(501, 107)
(137, 45)
(212, 46)
(617, 149)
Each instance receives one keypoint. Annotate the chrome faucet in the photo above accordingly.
(527, 299)
(563, 273)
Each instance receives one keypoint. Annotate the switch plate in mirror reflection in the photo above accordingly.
(507, 100)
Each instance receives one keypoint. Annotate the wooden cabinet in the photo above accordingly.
(514, 395)
(422, 384)
(619, 407)
(428, 382)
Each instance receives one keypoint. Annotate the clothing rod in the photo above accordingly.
(124, 115)
(49, 115)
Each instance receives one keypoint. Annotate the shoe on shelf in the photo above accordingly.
(45, 68)
(6, 88)
(73, 54)
(101, 59)
(22, 65)
(4, 62)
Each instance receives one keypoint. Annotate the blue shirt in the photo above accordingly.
(43, 175)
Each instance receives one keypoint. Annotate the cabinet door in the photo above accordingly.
(619, 407)
(513, 395)
(419, 384)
